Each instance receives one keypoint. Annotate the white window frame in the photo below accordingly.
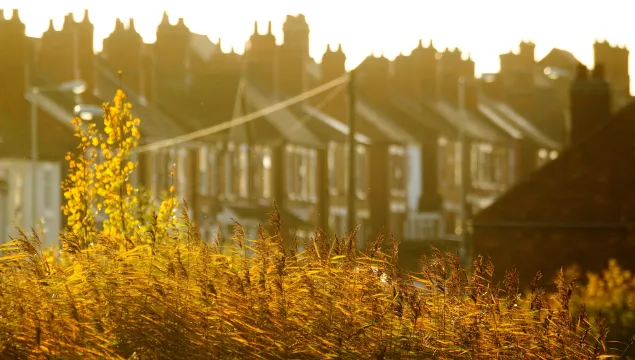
(229, 171)
(48, 196)
(312, 174)
(203, 175)
(242, 160)
(397, 186)
(361, 179)
(181, 174)
(266, 165)
(291, 171)
(458, 163)
(212, 171)
(331, 156)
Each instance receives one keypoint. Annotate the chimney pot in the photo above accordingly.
(598, 71)
(582, 72)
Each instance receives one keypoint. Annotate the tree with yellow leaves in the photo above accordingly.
(116, 193)
(79, 185)
(102, 183)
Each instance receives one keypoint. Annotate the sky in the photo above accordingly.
(484, 28)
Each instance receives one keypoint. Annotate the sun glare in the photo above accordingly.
(485, 29)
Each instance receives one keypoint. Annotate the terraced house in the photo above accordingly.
(434, 144)
(578, 208)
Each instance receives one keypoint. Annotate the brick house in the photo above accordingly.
(124, 51)
(539, 90)
(579, 207)
(47, 65)
(436, 98)
(382, 174)
(24, 203)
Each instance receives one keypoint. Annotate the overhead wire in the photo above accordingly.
(242, 119)
(334, 91)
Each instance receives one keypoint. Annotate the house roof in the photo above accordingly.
(424, 116)
(513, 123)
(591, 182)
(330, 128)
(561, 54)
(281, 125)
(203, 46)
(156, 125)
(474, 125)
(389, 130)
(54, 138)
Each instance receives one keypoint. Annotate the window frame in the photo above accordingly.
(241, 161)
(397, 162)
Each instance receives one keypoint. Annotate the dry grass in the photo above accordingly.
(178, 298)
(148, 287)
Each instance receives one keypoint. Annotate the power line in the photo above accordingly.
(330, 96)
(243, 119)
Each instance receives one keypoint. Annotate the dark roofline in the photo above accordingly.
(564, 156)
(573, 225)
(563, 52)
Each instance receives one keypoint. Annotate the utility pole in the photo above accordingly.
(352, 151)
(465, 174)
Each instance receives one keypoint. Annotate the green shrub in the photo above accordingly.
(149, 287)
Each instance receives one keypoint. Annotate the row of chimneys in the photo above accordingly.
(297, 29)
(448, 78)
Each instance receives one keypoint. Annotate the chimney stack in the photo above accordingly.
(590, 103)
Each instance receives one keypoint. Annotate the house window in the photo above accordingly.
(243, 170)
(202, 171)
(266, 173)
(301, 173)
(181, 174)
(262, 171)
(18, 202)
(543, 154)
(164, 165)
(498, 169)
(229, 170)
(360, 168)
(302, 161)
(170, 174)
(337, 223)
(487, 167)
(398, 169)
(458, 163)
(153, 173)
(312, 174)
(332, 149)
(442, 161)
(47, 178)
(291, 179)
(212, 171)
